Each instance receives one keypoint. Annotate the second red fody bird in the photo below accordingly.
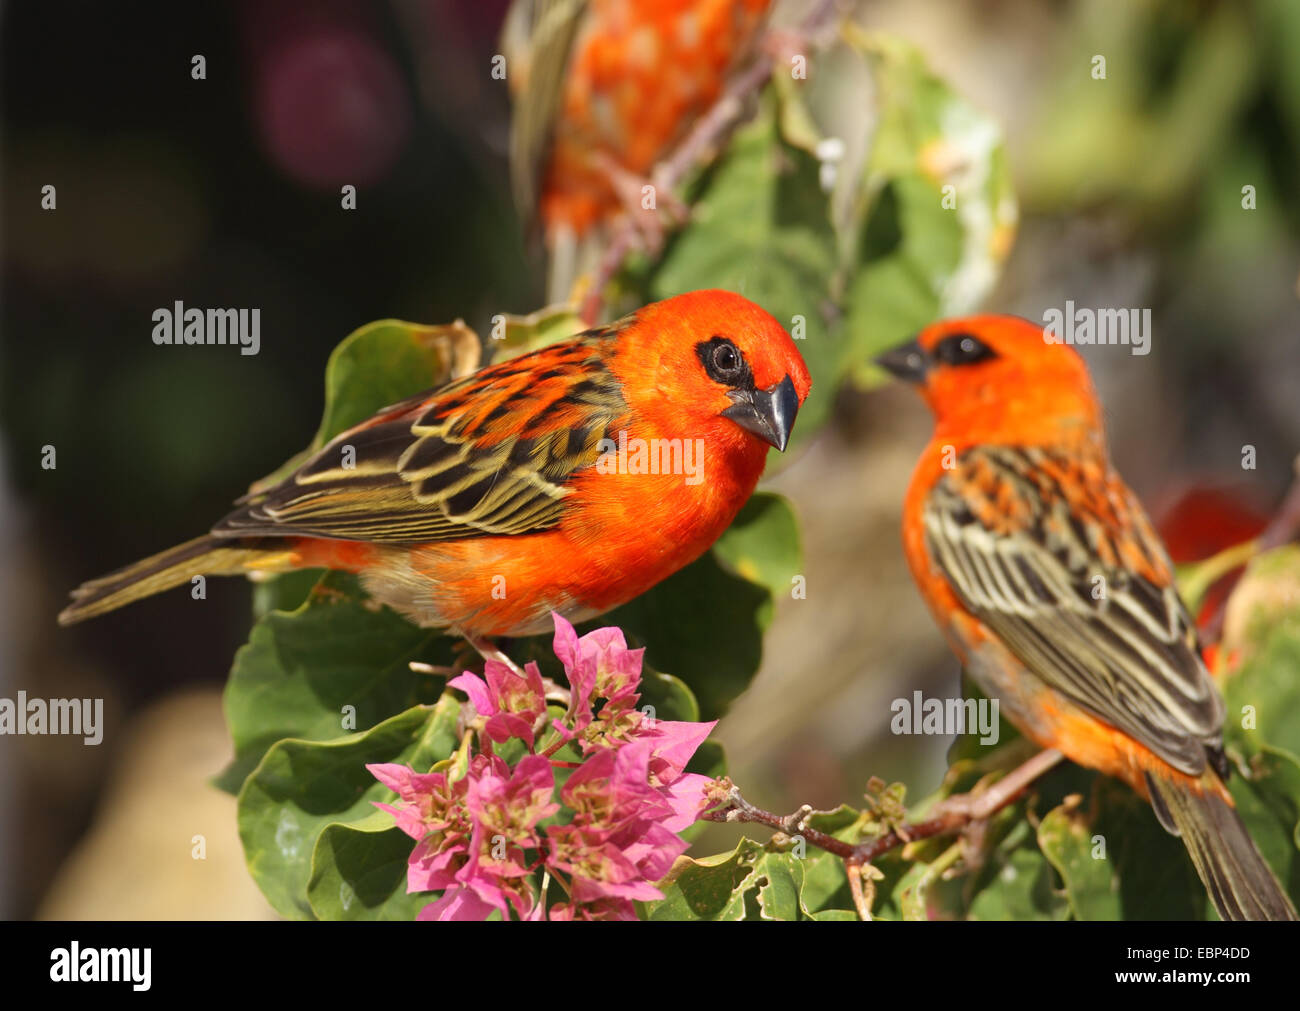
(1049, 581)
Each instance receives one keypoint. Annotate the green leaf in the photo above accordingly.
(670, 698)
(824, 877)
(1079, 855)
(967, 747)
(1194, 579)
(920, 252)
(779, 877)
(335, 658)
(359, 872)
(1261, 647)
(762, 543)
(378, 365)
(1142, 871)
(1280, 23)
(709, 760)
(704, 624)
(1269, 805)
(1017, 879)
(712, 888)
(913, 891)
(1156, 878)
(285, 592)
(300, 787)
(387, 361)
(678, 621)
(751, 882)
(539, 329)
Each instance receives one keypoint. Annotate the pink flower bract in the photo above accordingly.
(483, 839)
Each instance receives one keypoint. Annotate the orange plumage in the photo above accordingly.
(641, 72)
(1054, 590)
(603, 90)
(486, 504)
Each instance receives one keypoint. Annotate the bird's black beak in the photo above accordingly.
(909, 362)
(769, 413)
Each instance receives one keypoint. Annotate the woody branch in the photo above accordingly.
(951, 816)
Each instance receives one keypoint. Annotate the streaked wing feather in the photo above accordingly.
(1022, 536)
(492, 453)
(537, 38)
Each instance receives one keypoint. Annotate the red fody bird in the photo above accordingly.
(1052, 587)
(486, 504)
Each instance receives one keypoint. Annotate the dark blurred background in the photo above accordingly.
(226, 192)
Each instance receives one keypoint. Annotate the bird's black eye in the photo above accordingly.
(962, 349)
(723, 361)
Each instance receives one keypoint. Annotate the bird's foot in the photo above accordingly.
(485, 649)
(465, 650)
(984, 801)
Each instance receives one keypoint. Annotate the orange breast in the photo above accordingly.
(624, 533)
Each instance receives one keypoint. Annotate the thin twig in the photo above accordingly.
(953, 815)
(737, 809)
(861, 901)
(957, 812)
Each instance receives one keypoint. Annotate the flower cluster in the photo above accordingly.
(489, 834)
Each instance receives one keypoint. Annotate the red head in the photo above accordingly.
(713, 364)
(998, 379)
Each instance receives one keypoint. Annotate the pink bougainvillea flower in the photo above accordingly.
(596, 867)
(420, 794)
(688, 797)
(578, 670)
(481, 839)
(433, 812)
(432, 867)
(613, 786)
(599, 667)
(601, 656)
(505, 806)
(600, 909)
(511, 805)
(624, 830)
(652, 848)
(510, 704)
(618, 669)
(641, 824)
(674, 744)
(457, 904)
(505, 811)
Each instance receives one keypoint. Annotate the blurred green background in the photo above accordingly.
(226, 192)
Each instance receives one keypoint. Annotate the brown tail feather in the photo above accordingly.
(202, 556)
(1240, 884)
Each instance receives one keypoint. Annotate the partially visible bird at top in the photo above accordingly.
(602, 91)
